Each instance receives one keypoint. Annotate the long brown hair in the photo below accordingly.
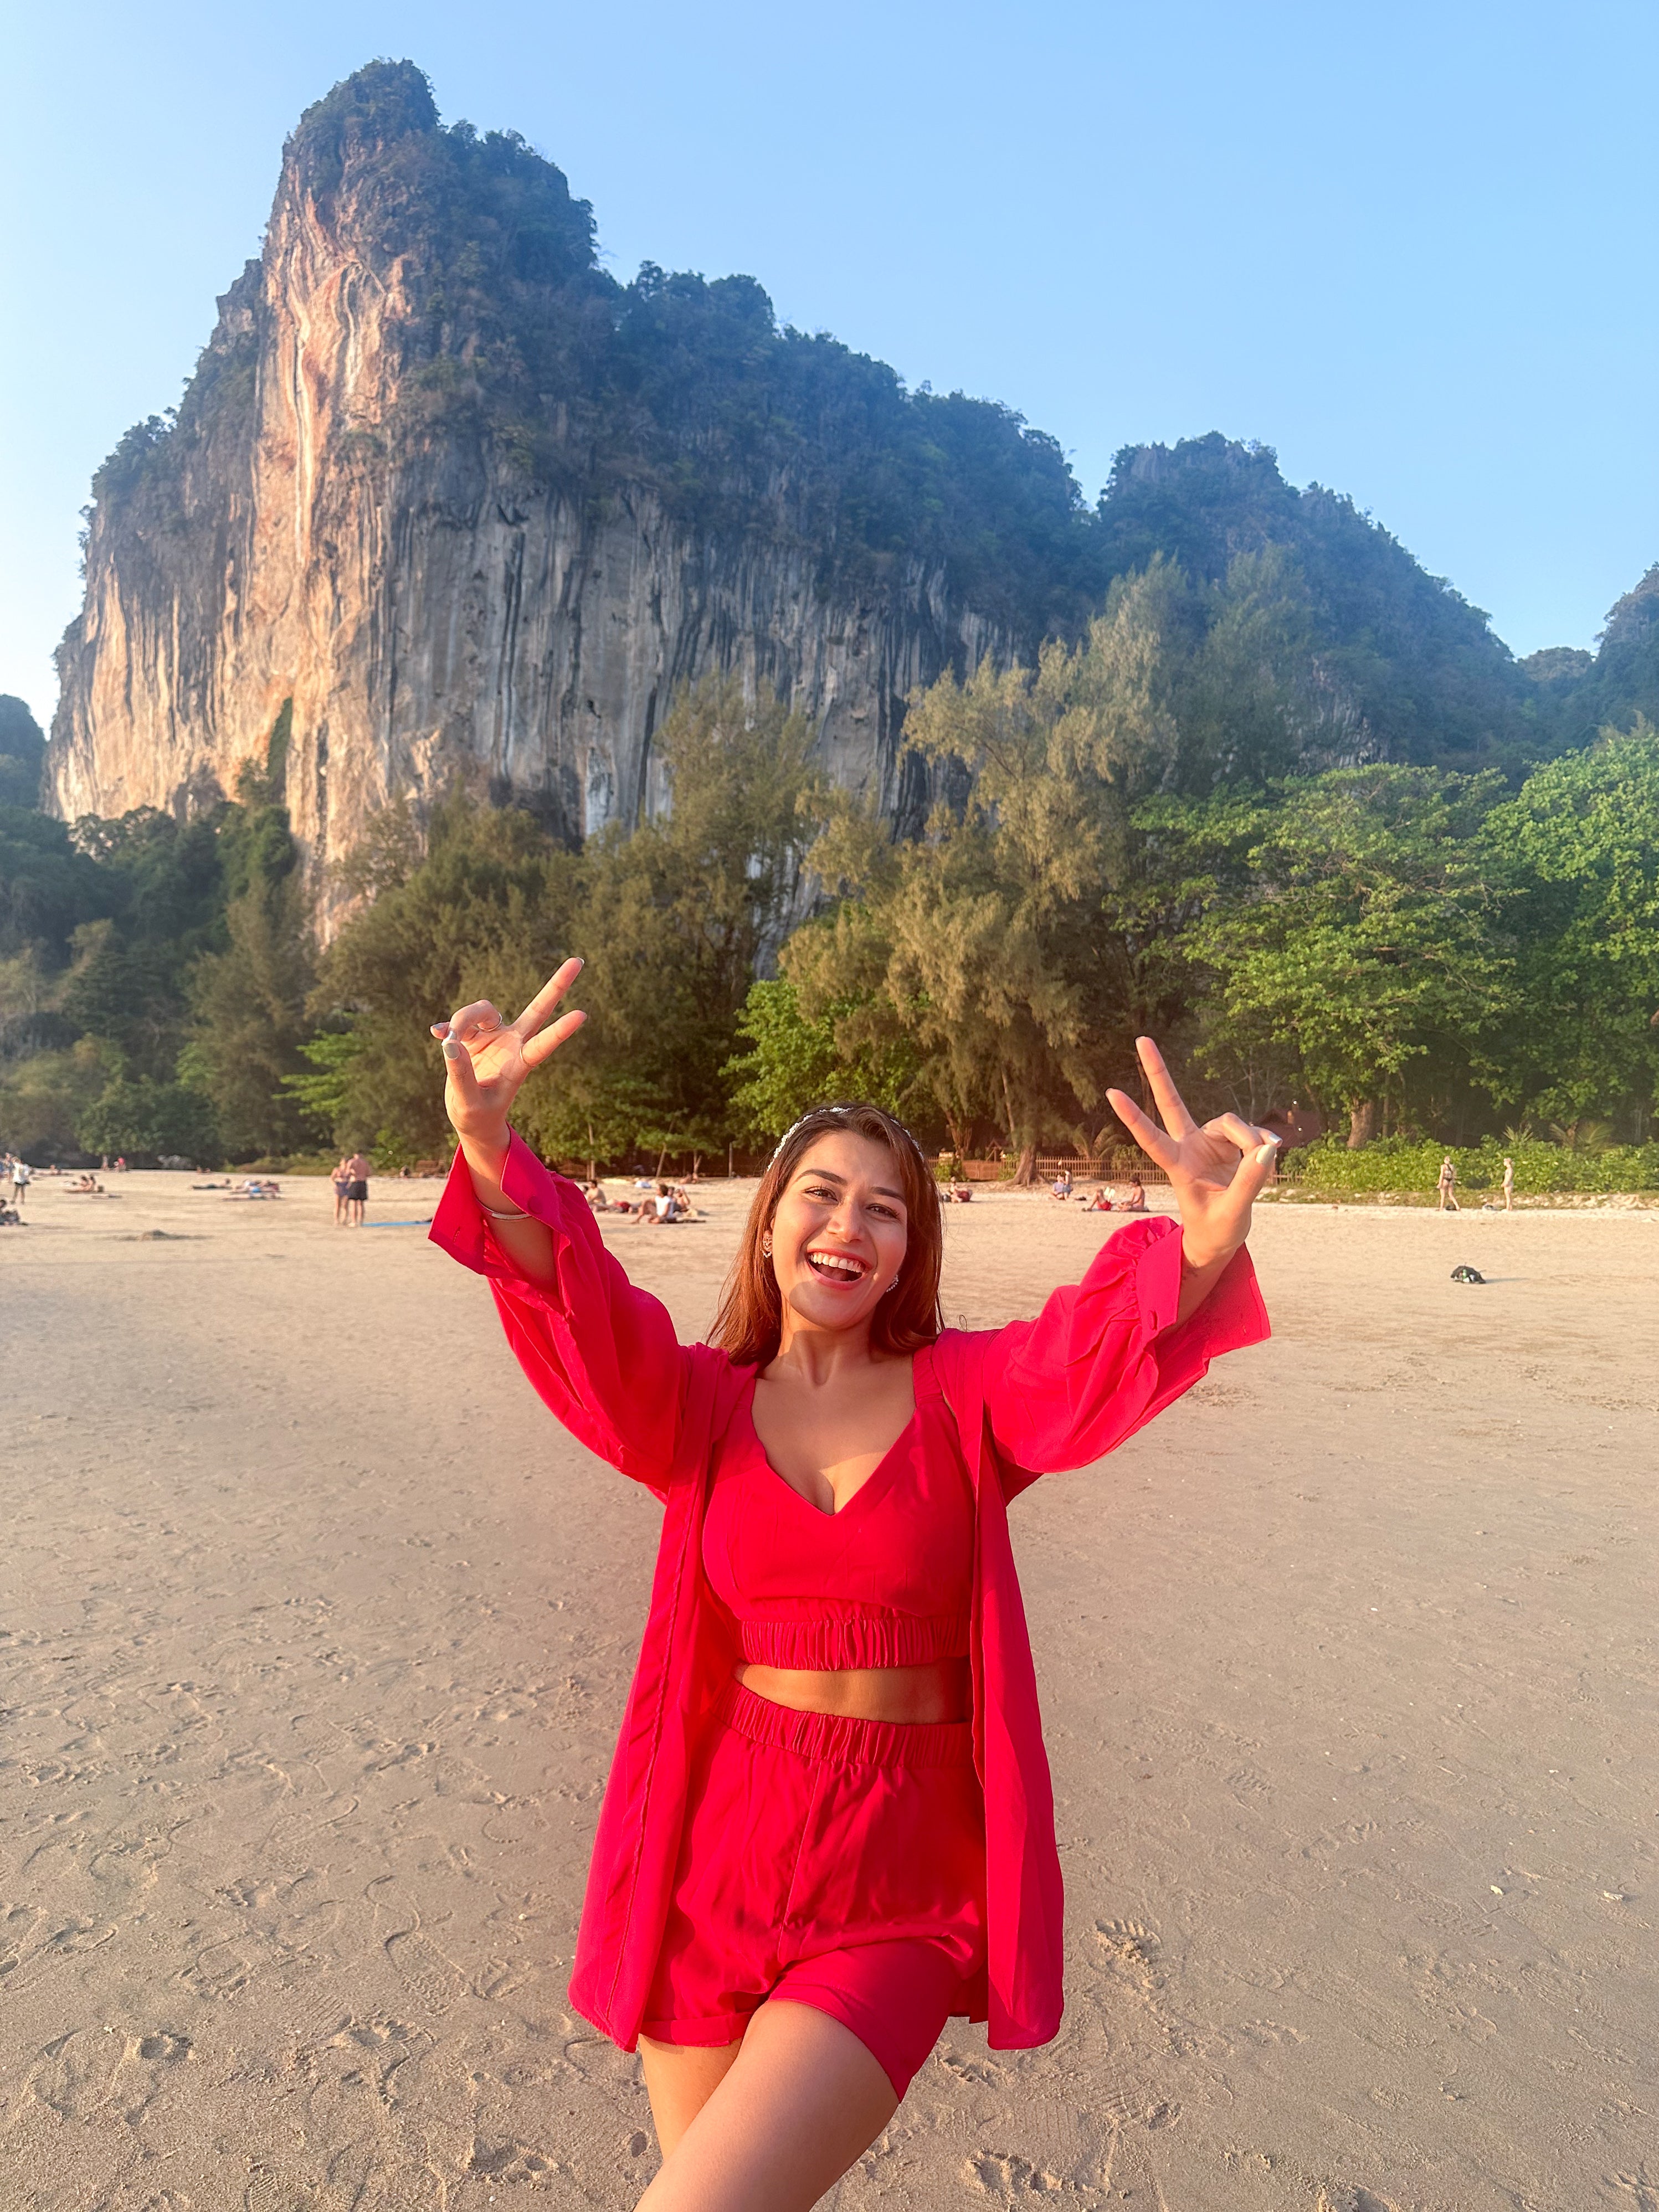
(749, 1323)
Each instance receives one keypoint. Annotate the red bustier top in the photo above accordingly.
(886, 1582)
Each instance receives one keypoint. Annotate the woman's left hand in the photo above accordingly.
(1217, 1172)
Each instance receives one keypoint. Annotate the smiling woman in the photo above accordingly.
(829, 1825)
(890, 1245)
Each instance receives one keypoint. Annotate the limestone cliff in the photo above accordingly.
(478, 510)
(376, 502)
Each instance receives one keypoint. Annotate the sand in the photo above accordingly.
(316, 1630)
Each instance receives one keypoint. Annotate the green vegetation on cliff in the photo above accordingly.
(518, 340)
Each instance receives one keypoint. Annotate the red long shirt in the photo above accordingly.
(1037, 1397)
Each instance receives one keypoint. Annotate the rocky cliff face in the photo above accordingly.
(340, 518)
(444, 499)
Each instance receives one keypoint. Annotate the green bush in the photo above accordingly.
(1406, 1165)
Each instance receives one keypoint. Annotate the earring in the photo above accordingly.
(893, 1285)
(766, 1246)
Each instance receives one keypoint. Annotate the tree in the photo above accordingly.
(1010, 944)
(1579, 848)
(675, 922)
(323, 1090)
(1350, 915)
(487, 912)
(48, 889)
(248, 1001)
(22, 754)
(136, 1115)
(795, 1063)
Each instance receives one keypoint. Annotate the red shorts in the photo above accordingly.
(839, 1863)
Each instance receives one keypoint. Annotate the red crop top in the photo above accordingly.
(883, 1583)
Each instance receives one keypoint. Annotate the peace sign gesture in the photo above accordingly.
(486, 1059)
(1215, 1172)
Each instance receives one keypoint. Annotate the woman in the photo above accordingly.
(340, 1179)
(829, 1825)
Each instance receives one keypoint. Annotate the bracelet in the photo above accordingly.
(495, 1214)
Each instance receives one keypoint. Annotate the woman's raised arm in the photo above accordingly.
(1156, 1306)
(603, 1354)
(486, 1061)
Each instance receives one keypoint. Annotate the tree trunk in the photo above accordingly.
(1014, 1143)
(1025, 1173)
(1362, 1123)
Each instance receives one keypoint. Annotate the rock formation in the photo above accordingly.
(338, 519)
(444, 499)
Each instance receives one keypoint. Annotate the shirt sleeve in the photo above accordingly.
(1106, 1354)
(602, 1354)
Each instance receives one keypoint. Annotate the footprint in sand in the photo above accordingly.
(1248, 1782)
(74, 2074)
(1003, 2175)
(434, 1979)
(984, 2071)
(510, 2161)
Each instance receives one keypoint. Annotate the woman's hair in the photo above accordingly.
(750, 1323)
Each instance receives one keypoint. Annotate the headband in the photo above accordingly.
(813, 1114)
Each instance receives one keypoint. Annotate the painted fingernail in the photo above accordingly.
(452, 1047)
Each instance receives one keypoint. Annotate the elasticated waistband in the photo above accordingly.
(894, 1639)
(839, 1739)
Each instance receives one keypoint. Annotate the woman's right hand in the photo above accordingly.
(487, 1058)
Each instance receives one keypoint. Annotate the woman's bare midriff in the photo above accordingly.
(942, 1689)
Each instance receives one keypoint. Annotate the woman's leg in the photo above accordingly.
(680, 2078)
(798, 2104)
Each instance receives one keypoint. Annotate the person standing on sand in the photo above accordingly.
(357, 1168)
(829, 1825)
(1448, 1179)
(21, 1175)
(341, 1180)
(1508, 1184)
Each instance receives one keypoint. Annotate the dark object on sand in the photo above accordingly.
(1467, 1275)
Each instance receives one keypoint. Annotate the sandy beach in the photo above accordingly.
(314, 1630)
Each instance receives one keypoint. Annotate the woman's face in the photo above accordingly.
(839, 1231)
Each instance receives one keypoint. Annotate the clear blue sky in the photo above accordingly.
(1412, 246)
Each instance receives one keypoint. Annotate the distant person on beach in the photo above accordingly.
(357, 1170)
(1448, 1183)
(341, 1179)
(1508, 1184)
(829, 1826)
(1062, 1186)
(21, 1175)
(664, 1207)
